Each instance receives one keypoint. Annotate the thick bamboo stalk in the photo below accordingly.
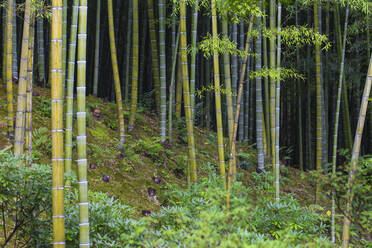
(114, 61)
(96, 50)
(241, 113)
(22, 85)
(266, 95)
(179, 88)
(337, 117)
(28, 124)
(70, 92)
(186, 94)
(319, 116)
(154, 53)
(8, 67)
(81, 138)
(57, 125)
(234, 67)
(163, 69)
(216, 64)
(355, 156)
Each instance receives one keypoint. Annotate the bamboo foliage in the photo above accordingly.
(114, 61)
(9, 67)
(70, 92)
(57, 125)
(96, 50)
(81, 138)
(355, 156)
(135, 51)
(186, 94)
(22, 86)
(221, 154)
(163, 69)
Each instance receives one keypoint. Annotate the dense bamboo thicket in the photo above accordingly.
(284, 78)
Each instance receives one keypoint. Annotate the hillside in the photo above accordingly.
(145, 159)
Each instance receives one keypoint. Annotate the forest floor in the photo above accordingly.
(130, 176)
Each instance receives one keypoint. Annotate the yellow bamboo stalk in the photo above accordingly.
(22, 85)
(135, 51)
(186, 94)
(116, 73)
(57, 126)
(9, 67)
(216, 64)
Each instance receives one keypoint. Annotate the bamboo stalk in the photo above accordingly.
(22, 85)
(259, 108)
(163, 69)
(57, 125)
(194, 36)
(70, 93)
(186, 94)
(171, 89)
(8, 67)
(114, 61)
(216, 64)
(81, 138)
(135, 51)
(128, 51)
(355, 156)
(96, 50)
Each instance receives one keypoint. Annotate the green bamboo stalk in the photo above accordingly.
(22, 85)
(226, 59)
(128, 51)
(221, 153)
(277, 108)
(319, 116)
(259, 108)
(337, 116)
(194, 35)
(28, 116)
(179, 88)
(81, 139)
(171, 88)
(135, 51)
(186, 94)
(300, 92)
(57, 124)
(70, 92)
(163, 70)
(266, 94)
(241, 113)
(8, 67)
(234, 67)
(154, 53)
(355, 156)
(114, 61)
(96, 50)
(40, 47)
(272, 85)
(230, 175)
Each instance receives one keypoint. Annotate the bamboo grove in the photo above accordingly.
(286, 77)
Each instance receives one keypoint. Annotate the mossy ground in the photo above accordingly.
(144, 157)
